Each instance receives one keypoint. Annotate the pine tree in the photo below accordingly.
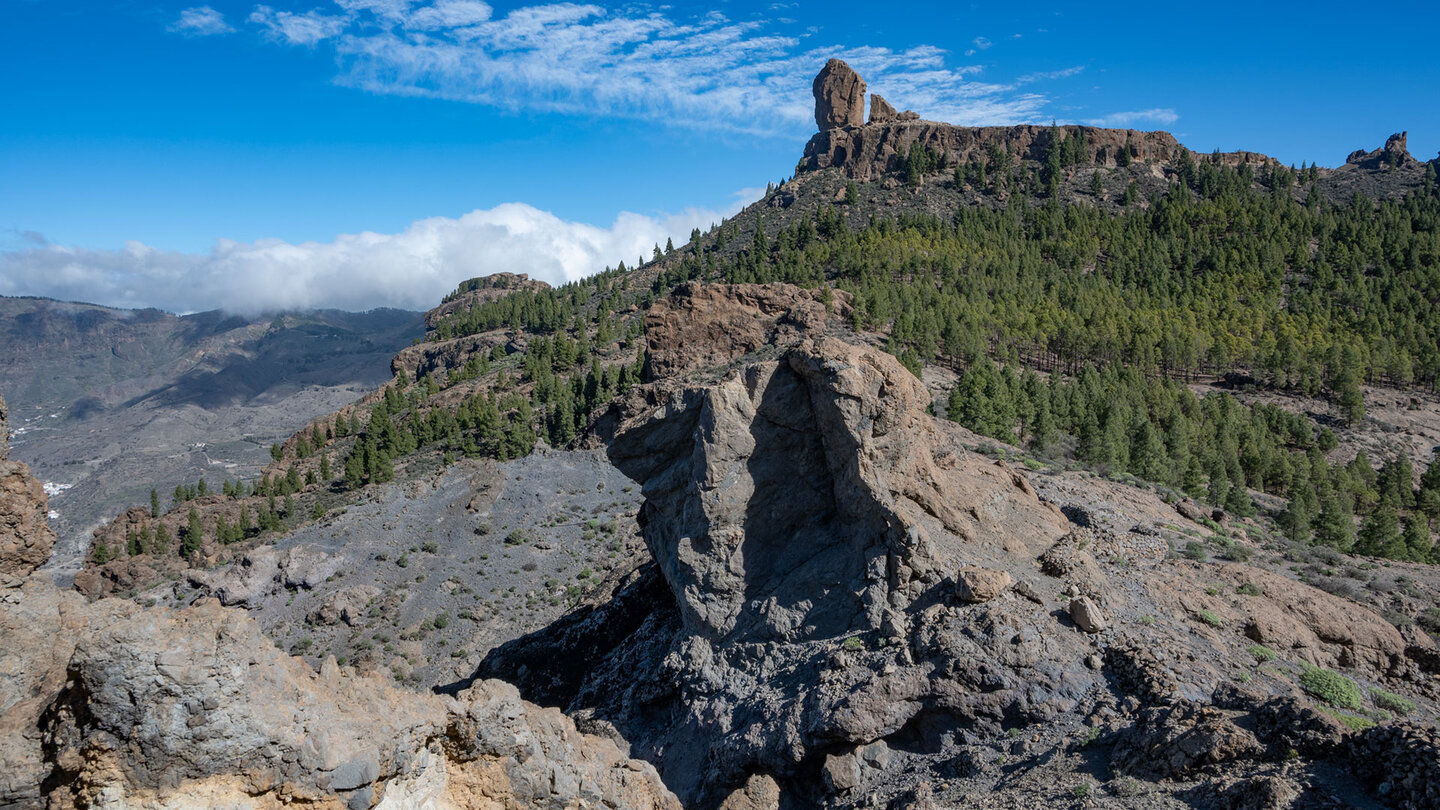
(1417, 540)
(1335, 526)
(154, 504)
(190, 543)
(1380, 535)
(325, 466)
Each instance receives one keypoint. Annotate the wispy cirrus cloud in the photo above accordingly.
(585, 59)
(201, 21)
(1050, 75)
(412, 269)
(298, 29)
(1159, 115)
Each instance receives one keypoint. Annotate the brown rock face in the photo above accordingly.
(108, 704)
(708, 324)
(881, 111)
(839, 96)
(26, 538)
(872, 151)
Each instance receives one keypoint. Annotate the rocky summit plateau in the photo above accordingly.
(951, 473)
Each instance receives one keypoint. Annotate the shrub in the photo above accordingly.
(1354, 723)
(1249, 589)
(1261, 653)
(1195, 550)
(1392, 702)
(1210, 618)
(1331, 687)
(1236, 553)
(430, 547)
(853, 643)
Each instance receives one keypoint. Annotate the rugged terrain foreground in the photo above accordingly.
(724, 517)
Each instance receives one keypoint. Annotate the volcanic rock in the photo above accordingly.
(106, 703)
(1088, 616)
(839, 96)
(980, 584)
(880, 110)
(26, 539)
(703, 325)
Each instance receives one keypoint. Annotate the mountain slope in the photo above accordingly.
(108, 403)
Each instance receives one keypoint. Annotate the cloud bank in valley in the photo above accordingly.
(409, 270)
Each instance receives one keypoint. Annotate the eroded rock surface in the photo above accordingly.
(156, 707)
(25, 535)
(839, 96)
(857, 604)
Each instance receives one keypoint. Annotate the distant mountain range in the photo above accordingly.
(106, 403)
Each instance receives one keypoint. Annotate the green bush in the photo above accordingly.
(1354, 723)
(1392, 702)
(1210, 618)
(1249, 589)
(1331, 687)
(1261, 653)
(1195, 550)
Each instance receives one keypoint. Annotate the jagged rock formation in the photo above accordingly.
(1394, 155)
(881, 111)
(25, 535)
(839, 96)
(110, 704)
(843, 598)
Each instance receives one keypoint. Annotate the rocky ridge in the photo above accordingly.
(877, 149)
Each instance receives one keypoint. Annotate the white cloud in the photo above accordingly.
(412, 269)
(201, 21)
(1050, 75)
(633, 62)
(1164, 116)
(297, 29)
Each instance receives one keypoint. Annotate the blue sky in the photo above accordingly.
(363, 152)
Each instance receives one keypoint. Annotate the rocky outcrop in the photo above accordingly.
(266, 571)
(881, 112)
(839, 96)
(478, 291)
(26, 538)
(703, 325)
(109, 704)
(871, 152)
(441, 358)
(802, 511)
(1393, 155)
(881, 146)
